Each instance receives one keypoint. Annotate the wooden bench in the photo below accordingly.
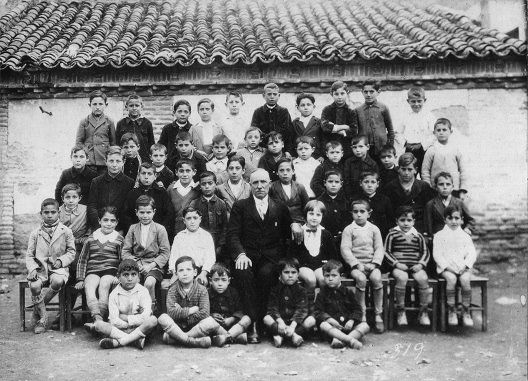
(59, 306)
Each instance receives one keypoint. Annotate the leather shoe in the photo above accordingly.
(253, 336)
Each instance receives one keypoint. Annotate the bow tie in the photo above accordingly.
(311, 230)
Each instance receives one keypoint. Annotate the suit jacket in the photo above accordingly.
(329, 118)
(314, 130)
(157, 248)
(197, 136)
(225, 192)
(299, 198)
(97, 136)
(419, 195)
(168, 136)
(434, 215)
(42, 251)
(354, 166)
(84, 179)
(276, 119)
(142, 128)
(248, 233)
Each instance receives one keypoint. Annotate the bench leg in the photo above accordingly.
(434, 308)
(62, 308)
(22, 307)
(385, 305)
(442, 302)
(484, 295)
(390, 323)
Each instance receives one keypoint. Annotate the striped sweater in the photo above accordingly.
(96, 256)
(408, 249)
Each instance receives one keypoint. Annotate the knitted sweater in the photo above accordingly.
(408, 249)
(445, 158)
(179, 302)
(362, 244)
(96, 256)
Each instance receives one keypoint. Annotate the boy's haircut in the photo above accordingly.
(220, 269)
(190, 209)
(127, 265)
(185, 258)
(181, 102)
(128, 137)
(134, 97)
(273, 136)
(252, 129)
(416, 92)
(237, 158)
(79, 147)
(338, 85)
(302, 96)
(305, 139)
(371, 82)
(145, 200)
(182, 162)
(448, 212)
(445, 175)
(359, 138)
(184, 136)
(364, 175)
(332, 264)
(49, 201)
(387, 149)
(288, 262)
(147, 165)
(285, 160)
(71, 187)
(333, 172)
(404, 210)
(107, 209)
(206, 100)
(271, 86)
(406, 159)
(98, 94)
(114, 150)
(235, 94)
(205, 174)
(333, 144)
(313, 205)
(360, 202)
(445, 121)
(158, 147)
(219, 139)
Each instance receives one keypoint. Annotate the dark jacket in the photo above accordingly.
(288, 303)
(269, 163)
(387, 175)
(199, 163)
(338, 303)
(142, 127)
(227, 303)
(329, 118)
(168, 136)
(327, 251)
(314, 129)
(419, 195)
(354, 166)
(71, 176)
(434, 216)
(248, 233)
(381, 214)
(274, 119)
(317, 183)
(166, 176)
(214, 217)
(374, 121)
(299, 198)
(337, 216)
(106, 190)
(97, 136)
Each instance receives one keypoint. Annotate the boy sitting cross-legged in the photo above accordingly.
(130, 314)
(226, 307)
(337, 311)
(148, 244)
(51, 249)
(188, 319)
(406, 252)
(287, 315)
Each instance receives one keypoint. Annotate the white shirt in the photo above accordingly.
(235, 127)
(305, 120)
(199, 245)
(184, 191)
(312, 241)
(159, 169)
(304, 171)
(207, 132)
(127, 303)
(287, 189)
(104, 238)
(144, 233)
(262, 206)
(453, 248)
(446, 201)
(235, 188)
(216, 165)
(416, 127)
(413, 231)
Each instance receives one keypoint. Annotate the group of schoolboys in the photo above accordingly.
(362, 215)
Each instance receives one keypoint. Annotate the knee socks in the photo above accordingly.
(399, 293)
(103, 307)
(38, 305)
(238, 329)
(450, 297)
(93, 306)
(466, 298)
(378, 300)
(360, 296)
(50, 294)
(423, 294)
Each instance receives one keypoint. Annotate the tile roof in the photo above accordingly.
(184, 32)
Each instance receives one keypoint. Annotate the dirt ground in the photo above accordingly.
(414, 353)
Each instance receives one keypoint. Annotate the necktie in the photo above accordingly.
(261, 210)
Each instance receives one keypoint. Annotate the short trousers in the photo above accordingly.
(51, 275)
(156, 273)
(100, 274)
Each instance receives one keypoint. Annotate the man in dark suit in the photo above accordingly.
(257, 235)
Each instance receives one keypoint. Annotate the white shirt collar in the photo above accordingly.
(413, 231)
(264, 201)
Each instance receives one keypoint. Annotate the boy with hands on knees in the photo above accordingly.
(188, 321)
(362, 249)
(406, 252)
(226, 307)
(288, 306)
(337, 311)
(130, 314)
(51, 249)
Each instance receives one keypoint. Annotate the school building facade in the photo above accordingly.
(53, 54)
